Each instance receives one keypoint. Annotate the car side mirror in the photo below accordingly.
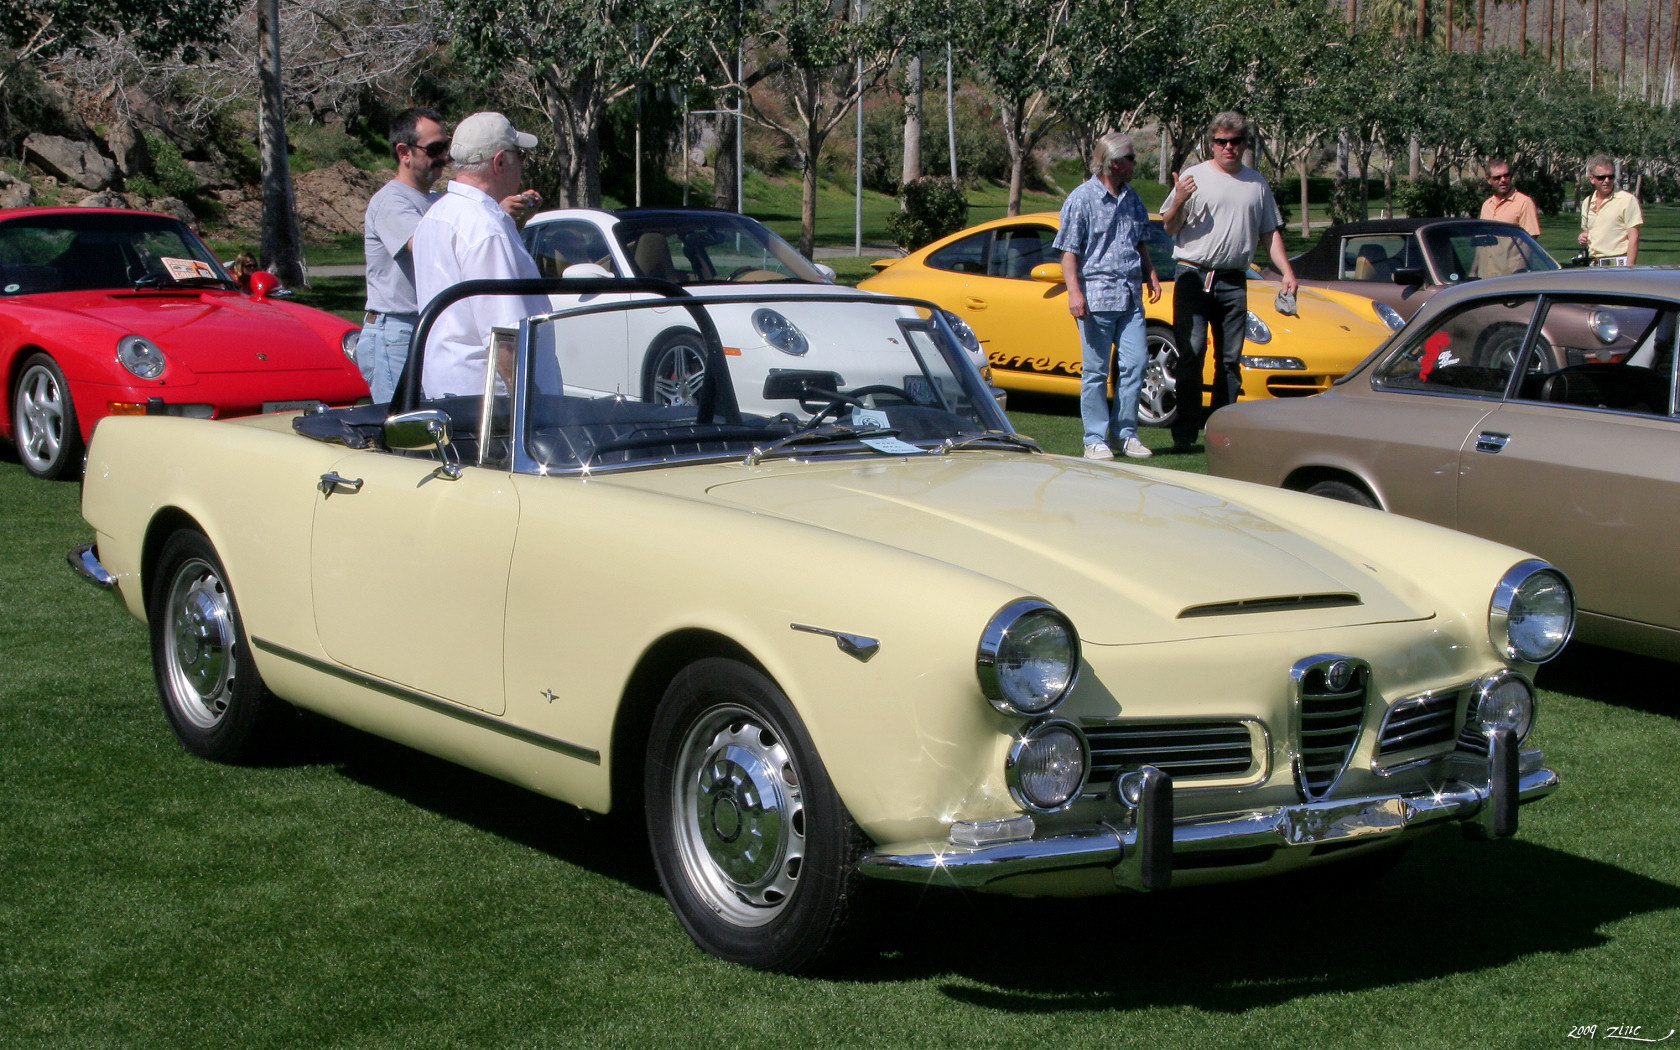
(588, 269)
(263, 283)
(423, 428)
(824, 269)
(1409, 275)
(1049, 273)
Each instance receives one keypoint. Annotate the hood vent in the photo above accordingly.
(1265, 605)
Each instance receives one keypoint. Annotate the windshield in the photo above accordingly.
(65, 253)
(646, 382)
(1467, 253)
(709, 248)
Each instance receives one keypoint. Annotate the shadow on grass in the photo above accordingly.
(615, 846)
(1639, 683)
(1231, 948)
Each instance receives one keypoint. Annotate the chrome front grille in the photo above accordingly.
(1330, 695)
(1182, 749)
(1420, 722)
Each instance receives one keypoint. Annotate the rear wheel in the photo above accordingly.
(215, 701)
(1345, 491)
(49, 442)
(756, 853)
(1158, 401)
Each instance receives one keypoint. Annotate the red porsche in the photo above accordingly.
(110, 312)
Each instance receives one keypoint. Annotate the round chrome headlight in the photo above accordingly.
(1258, 332)
(1275, 364)
(965, 335)
(1388, 315)
(348, 342)
(1605, 326)
(1504, 701)
(1028, 658)
(140, 356)
(780, 332)
(1047, 765)
(1532, 613)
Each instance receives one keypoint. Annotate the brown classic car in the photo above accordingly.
(1578, 462)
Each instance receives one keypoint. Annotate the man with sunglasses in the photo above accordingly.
(468, 235)
(1217, 212)
(1509, 204)
(422, 150)
(1610, 218)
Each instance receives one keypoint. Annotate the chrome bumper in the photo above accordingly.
(1139, 849)
(84, 561)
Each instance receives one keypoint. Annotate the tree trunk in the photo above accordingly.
(723, 163)
(912, 167)
(282, 239)
(808, 204)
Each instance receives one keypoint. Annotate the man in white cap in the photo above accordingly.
(468, 236)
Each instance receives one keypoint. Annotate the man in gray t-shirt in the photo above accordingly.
(422, 151)
(1218, 212)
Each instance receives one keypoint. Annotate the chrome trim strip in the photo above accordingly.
(858, 646)
(84, 561)
(1107, 845)
(432, 703)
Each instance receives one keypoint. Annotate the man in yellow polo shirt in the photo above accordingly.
(1610, 218)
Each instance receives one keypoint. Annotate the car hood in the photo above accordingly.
(1132, 555)
(208, 332)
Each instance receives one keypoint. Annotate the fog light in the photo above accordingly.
(1047, 765)
(1505, 701)
(1275, 364)
(975, 833)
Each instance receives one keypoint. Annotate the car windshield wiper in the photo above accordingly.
(1002, 437)
(823, 435)
(156, 280)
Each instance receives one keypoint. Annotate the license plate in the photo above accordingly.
(289, 406)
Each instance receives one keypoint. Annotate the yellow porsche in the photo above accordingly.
(1005, 280)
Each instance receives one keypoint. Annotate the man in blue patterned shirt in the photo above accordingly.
(1105, 263)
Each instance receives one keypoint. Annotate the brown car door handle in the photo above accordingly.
(1491, 441)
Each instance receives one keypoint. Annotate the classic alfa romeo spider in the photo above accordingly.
(876, 634)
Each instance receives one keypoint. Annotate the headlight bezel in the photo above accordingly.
(1388, 315)
(1008, 626)
(349, 341)
(1258, 331)
(1507, 609)
(1020, 777)
(779, 332)
(142, 358)
(1606, 326)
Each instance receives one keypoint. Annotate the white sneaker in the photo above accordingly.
(1137, 449)
(1098, 450)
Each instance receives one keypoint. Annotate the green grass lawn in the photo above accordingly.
(357, 894)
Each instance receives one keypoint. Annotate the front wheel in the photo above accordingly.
(1158, 401)
(215, 701)
(676, 369)
(1344, 491)
(49, 442)
(754, 848)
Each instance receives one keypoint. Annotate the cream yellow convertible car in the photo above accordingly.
(876, 634)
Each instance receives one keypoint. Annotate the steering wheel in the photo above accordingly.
(855, 398)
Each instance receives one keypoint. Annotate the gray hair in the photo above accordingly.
(1229, 120)
(1601, 161)
(1111, 146)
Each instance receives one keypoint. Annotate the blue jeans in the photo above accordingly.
(381, 350)
(1099, 332)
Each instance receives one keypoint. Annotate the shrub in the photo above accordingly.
(169, 178)
(932, 208)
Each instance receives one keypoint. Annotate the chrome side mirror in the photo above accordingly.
(424, 428)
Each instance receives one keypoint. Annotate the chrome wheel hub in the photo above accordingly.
(677, 375)
(740, 816)
(40, 417)
(199, 663)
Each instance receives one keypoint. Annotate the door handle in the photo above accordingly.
(331, 483)
(974, 304)
(1491, 441)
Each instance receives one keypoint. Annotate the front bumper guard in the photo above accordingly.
(1139, 849)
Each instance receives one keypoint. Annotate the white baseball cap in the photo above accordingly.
(477, 138)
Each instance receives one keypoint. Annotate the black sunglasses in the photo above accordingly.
(433, 150)
(1239, 140)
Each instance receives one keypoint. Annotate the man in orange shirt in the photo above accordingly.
(1508, 204)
